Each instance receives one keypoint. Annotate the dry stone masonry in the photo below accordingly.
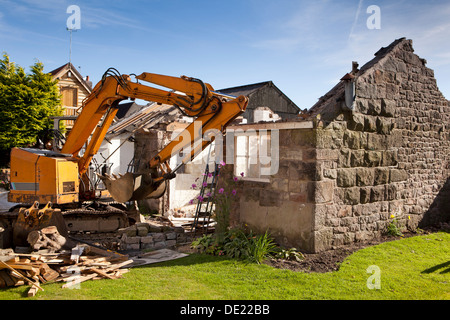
(144, 235)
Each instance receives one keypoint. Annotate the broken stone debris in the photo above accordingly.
(151, 236)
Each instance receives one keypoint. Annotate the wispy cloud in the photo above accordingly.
(355, 21)
(312, 26)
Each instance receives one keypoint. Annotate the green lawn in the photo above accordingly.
(412, 268)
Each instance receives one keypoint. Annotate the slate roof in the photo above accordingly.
(249, 89)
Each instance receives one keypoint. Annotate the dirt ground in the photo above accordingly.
(330, 260)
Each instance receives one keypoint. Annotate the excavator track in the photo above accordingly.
(95, 221)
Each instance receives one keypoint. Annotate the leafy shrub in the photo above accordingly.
(393, 228)
(289, 254)
(260, 247)
(238, 244)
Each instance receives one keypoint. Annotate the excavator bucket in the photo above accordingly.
(33, 218)
(131, 186)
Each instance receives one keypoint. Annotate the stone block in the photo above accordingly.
(357, 158)
(374, 106)
(131, 240)
(352, 139)
(372, 158)
(384, 125)
(145, 245)
(356, 122)
(141, 231)
(326, 138)
(181, 238)
(143, 225)
(159, 245)
(129, 231)
(377, 193)
(330, 173)
(344, 158)
(397, 175)
(327, 154)
(381, 176)
(352, 195)
(389, 158)
(346, 177)
(388, 107)
(178, 229)
(364, 177)
(370, 124)
(158, 237)
(171, 236)
(324, 191)
(147, 239)
(154, 228)
(391, 192)
(323, 239)
(376, 142)
(364, 194)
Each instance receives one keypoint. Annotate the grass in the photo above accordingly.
(412, 268)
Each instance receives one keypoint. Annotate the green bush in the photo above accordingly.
(289, 254)
(393, 228)
(238, 244)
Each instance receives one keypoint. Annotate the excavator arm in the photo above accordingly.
(193, 97)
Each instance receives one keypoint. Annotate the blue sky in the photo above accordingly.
(304, 47)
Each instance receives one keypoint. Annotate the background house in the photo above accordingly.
(73, 88)
(266, 102)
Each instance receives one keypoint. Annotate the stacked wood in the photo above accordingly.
(48, 238)
(83, 263)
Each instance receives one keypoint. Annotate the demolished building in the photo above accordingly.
(376, 146)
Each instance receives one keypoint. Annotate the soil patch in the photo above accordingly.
(331, 260)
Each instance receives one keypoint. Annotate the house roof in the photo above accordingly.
(144, 117)
(59, 72)
(249, 89)
(244, 90)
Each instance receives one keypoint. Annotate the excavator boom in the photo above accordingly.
(193, 97)
(60, 177)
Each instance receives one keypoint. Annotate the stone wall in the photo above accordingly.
(284, 204)
(392, 152)
(148, 144)
(345, 179)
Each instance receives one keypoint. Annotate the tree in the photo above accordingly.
(27, 101)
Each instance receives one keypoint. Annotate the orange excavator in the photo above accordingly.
(59, 178)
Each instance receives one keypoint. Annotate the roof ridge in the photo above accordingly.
(72, 68)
